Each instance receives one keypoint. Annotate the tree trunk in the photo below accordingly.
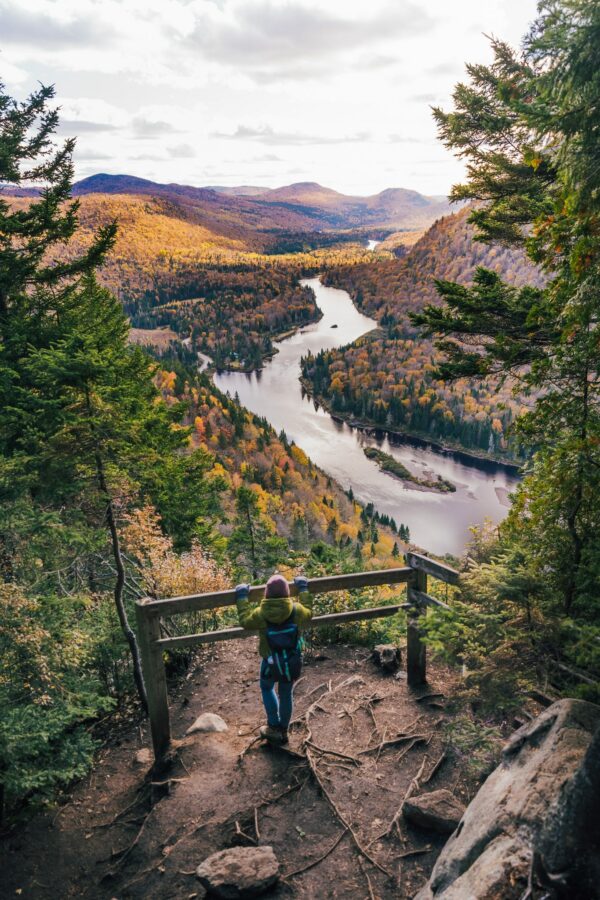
(571, 588)
(119, 585)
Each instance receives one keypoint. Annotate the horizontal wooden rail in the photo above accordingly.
(152, 646)
(218, 599)
(232, 634)
(432, 567)
(426, 599)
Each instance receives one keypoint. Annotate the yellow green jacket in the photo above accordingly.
(274, 610)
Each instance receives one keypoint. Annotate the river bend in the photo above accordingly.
(438, 522)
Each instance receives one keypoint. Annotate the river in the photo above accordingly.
(438, 522)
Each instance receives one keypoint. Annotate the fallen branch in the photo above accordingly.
(256, 828)
(245, 750)
(167, 781)
(288, 790)
(241, 833)
(316, 862)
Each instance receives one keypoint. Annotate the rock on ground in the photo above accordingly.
(387, 656)
(239, 872)
(143, 757)
(439, 810)
(208, 722)
(490, 853)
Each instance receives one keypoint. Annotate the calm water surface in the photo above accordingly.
(437, 522)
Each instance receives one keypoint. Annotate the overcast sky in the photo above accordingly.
(262, 92)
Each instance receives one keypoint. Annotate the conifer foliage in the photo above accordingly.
(527, 127)
(80, 435)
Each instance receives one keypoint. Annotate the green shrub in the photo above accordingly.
(49, 687)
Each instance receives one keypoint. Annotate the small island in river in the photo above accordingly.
(392, 466)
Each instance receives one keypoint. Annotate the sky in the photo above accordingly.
(260, 92)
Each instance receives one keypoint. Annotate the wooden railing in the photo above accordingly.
(152, 644)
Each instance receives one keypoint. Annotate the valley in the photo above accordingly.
(438, 521)
(196, 264)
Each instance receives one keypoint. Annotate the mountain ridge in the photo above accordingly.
(312, 205)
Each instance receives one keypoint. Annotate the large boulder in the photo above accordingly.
(438, 810)
(490, 853)
(239, 872)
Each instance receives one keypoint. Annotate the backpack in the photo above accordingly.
(285, 644)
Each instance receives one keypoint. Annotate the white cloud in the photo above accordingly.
(180, 89)
(266, 134)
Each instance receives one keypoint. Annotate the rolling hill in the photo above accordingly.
(305, 206)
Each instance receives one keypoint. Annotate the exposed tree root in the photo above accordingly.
(324, 750)
(313, 765)
(142, 794)
(417, 852)
(394, 743)
(412, 787)
(436, 767)
(366, 874)
(315, 862)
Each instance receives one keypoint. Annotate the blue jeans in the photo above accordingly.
(278, 708)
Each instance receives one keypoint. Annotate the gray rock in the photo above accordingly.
(496, 835)
(239, 872)
(208, 722)
(439, 810)
(387, 656)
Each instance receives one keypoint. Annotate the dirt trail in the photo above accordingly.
(111, 841)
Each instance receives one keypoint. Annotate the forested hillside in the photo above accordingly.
(388, 378)
(209, 286)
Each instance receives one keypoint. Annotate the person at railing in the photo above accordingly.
(278, 621)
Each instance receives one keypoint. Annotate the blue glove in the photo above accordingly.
(242, 592)
(301, 583)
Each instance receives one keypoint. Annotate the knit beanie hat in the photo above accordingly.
(277, 586)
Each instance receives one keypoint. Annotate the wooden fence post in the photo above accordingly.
(155, 679)
(416, 651)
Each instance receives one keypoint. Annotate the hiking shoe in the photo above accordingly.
(272, 734)
(284, 735)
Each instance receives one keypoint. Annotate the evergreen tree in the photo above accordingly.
(527, 126)
(79, 426)
(253, 546)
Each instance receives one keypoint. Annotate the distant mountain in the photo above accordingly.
(303, 206)
(392, 208)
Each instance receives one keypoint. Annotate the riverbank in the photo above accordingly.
(421, 439)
